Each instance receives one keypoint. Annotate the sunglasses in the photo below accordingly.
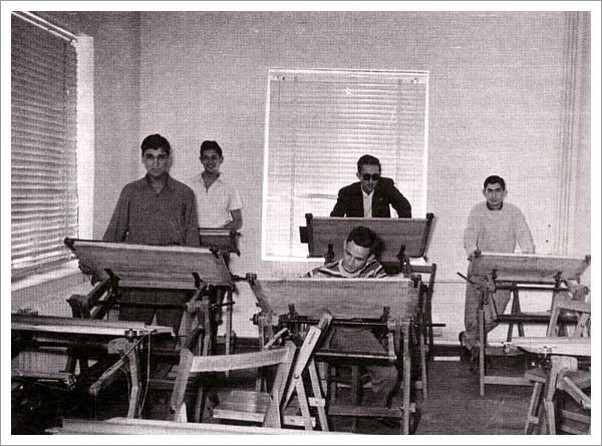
(374, 176)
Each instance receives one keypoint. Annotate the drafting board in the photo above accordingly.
(344, 298)
(65, 327)
(412, 233)
(555, 346)
(143, 266)
(527, 268)
(225, 240)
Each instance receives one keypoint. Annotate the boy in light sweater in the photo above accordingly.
(494, 226)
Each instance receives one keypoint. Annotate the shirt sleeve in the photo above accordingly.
(401, 205)
(471, 232)
(235, 201)
(191, 222)
(119, 224)
(523, 234)
(340, 207)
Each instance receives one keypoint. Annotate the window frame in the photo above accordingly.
(337, 75)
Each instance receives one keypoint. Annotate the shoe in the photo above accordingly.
(474, 359)
(465, 353)
(390, 423)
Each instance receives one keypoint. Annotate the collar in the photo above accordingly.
(489, 207)
(168, 181)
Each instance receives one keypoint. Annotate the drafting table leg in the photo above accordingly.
(482, 342)
(422, 337)
(133, 409)
(534, 408)
(229, 309)
(515, 310)
(205, 351)
(407, 364)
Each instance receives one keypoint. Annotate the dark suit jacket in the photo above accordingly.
(350, 202)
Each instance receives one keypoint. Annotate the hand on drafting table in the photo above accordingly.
(88, 272)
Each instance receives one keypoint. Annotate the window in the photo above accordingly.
(44, 199)
(319, 122)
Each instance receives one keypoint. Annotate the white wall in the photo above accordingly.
(496, 98)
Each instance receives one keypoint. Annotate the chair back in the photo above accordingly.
(282, 357)
(566, 309)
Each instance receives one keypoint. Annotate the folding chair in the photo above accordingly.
(563, 374)
(281, 357)
(267, 409)
(248, 405)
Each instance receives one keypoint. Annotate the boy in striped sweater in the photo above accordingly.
(358, 261)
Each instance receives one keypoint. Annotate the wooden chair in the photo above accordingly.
(267, 409)
(282, 357)
(241, 405)
(563, 374)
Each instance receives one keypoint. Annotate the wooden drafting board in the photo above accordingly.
(66, 327)
(411, 233)
(555, 346)
(225, 240)
(143, 266)
(344, 298)
(527, 268)
(127, 426)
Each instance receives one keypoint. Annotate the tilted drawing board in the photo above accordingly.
(413, 234)
(527, 268)
(143, 266)
(344, 298)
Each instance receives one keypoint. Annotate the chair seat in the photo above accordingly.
(581, 378)
(248, 405)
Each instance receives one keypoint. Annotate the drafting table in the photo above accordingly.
(402, 238)
(82, 337)
(402, 248)
(516, 272)
(126, 426)
(220, 239)
(389, 304)
(120, 266)
(542, 345)
(223, 241)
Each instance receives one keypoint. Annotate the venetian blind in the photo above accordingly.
(43, 147)
(319, 122)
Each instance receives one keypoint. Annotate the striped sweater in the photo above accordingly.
(371, 270)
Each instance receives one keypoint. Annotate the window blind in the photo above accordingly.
(43, 147)
(319, 123)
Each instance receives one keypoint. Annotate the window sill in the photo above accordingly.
(67, 274)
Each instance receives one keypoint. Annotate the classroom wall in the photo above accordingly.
(496, 102)
(496, 98)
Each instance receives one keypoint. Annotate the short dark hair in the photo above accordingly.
(155, 141)
(367, 159)
(364, 237)
(494, 179)
(211, 145)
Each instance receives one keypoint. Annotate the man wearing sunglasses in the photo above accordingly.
(372, 195)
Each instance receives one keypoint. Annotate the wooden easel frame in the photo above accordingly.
(351, 302)
(518, 272)
(119, 266)
(123, 338)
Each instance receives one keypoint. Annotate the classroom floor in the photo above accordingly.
(453, 406)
